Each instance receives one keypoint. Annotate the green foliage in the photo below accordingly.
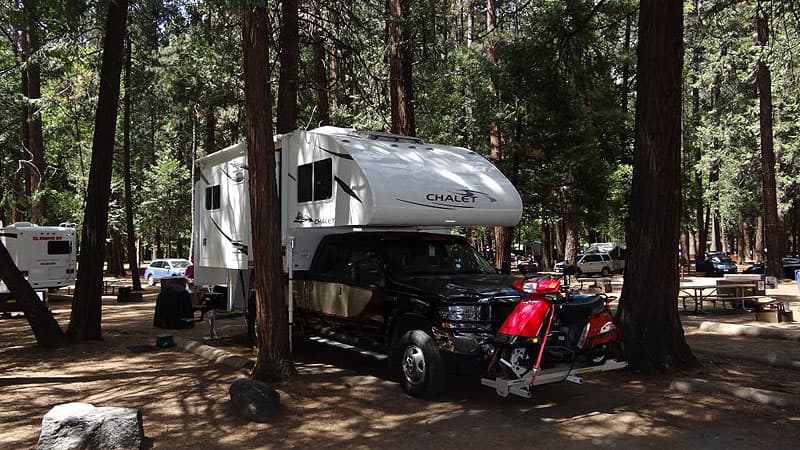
(165, 199)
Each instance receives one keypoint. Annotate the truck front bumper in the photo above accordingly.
(464, 352)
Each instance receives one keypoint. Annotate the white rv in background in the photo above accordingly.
(336, 180)
(46, 255)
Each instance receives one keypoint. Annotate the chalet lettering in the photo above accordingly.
(451, 198)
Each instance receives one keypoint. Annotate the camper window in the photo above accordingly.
(58, 248)
(212, 197)
(315, 181)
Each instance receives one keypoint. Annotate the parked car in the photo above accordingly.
(560, 266)
(161, 268)
(717, 263)
(789, 266)
(591, 263)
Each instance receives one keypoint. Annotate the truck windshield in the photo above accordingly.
(434, 256)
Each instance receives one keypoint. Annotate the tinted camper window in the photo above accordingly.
(58, 248)
(315, 181)
(212, 197)
(323, 179)
(305, 183)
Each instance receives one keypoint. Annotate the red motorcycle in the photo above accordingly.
(553, 334)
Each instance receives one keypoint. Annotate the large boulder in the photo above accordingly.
(84, 426)
(254, 400)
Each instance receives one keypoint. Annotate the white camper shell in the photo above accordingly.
(334, 180)
(44, 254)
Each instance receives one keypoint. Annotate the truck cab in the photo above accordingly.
(428, 301)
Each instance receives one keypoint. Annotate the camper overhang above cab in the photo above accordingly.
(345, 177)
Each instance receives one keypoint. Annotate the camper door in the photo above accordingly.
(224, 215)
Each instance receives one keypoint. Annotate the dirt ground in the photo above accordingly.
(342, 400)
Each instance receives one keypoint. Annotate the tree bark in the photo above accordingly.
(320, 77)
(571, 232)
(758, 251)
(400, 63)
(274, 361)
(547, 247)
(86, 313)
(772, 225)
(133, 256)
(44, 325)
(495, 152)
(289, 57)
(30, 46)
(648, 311)
(700, 222)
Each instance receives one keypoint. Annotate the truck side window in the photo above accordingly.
(332, 262)
(363, 267)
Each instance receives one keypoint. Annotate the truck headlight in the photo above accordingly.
(459, 313)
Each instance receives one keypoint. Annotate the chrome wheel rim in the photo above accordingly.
(414, 365)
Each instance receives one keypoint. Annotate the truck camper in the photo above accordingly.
(365, 227)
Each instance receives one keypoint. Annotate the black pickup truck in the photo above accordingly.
(428, 301)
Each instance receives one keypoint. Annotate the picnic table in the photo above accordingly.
(110, 283)
(701, 291)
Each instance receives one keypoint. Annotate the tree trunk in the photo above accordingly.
(86, 313)
(320, 77)
(571, 232)
(560, 239)
(648, 311)
(44, 325)
(495, 152)
(211, 128)
(758, 252)
(741, 248)
(547, 247)
(400, 63)
(114, 261)
(274, 361)
(30, 46)
(700, 222)
(772, 225)
(133, 257)
(289, 57)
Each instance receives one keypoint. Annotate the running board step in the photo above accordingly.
(352, 348)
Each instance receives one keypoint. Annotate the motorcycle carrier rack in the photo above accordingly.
(523, 387)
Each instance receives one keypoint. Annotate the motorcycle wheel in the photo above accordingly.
(421, 367)
(599, 355)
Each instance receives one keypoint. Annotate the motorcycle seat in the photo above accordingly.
(579, 310)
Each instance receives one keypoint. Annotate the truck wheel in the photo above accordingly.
(605, 272)
(422, 372)
(150, 280)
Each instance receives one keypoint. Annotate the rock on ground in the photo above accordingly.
(254, 400)
(84, 426)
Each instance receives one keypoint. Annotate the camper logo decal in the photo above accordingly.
(236, 171)
(305, 218)
(460, 199)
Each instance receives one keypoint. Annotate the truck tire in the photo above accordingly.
(605, 272)
(421, 367)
